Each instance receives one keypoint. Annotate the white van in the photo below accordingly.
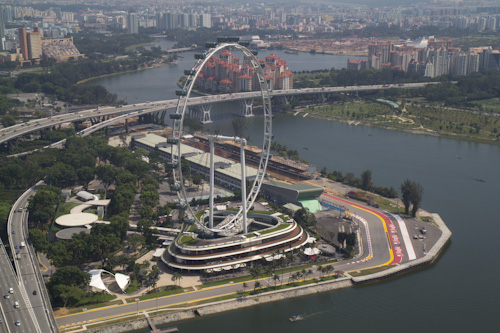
(16, 304)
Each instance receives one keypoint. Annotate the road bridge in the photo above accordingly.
(103, 114)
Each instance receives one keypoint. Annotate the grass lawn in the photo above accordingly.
(9, 196)
(66, 311)
(492, 104)
(162, 293)
(186, 240)
(65, 208)
(280, 227)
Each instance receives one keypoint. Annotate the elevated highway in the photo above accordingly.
(130, 111)
(29, 277)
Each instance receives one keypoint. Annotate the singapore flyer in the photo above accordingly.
(236, 222)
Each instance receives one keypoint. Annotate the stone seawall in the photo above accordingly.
(221, 306)
(242, 302)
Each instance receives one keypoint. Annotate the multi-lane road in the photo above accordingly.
(26, 264)
(9, 313)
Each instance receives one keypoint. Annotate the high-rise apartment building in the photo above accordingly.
(206, 20)
(132, 23)
(23, 43)
(2, 30)
(34, 42)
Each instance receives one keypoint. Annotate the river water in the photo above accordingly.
(459, 293)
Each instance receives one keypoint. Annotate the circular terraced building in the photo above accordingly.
(269, 234)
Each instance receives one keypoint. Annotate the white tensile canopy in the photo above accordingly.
(311, 251)
(96, 279)
(122, 280)
(274, 257)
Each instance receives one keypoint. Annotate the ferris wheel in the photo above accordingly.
(238, 220)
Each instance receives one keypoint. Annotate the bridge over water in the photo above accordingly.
(101, 116)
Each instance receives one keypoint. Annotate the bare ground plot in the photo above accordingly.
(329, 223)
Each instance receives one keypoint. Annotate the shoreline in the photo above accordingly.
(124, 72)
(413, 131)
(336, 53)
(278, 295)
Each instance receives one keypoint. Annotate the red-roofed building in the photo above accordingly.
(227, 74)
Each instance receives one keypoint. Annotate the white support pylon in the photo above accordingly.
(205, 109)
(247, 107)
(212, 176)
(243, 143)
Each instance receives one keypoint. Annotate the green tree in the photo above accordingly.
(304, 218)
(61, 174)
(66, 283)
(411, 194)
(85, 175)
(366, 180)
(136, 241)
(416, 197)
(107, 175)
(8, 120)
(176, 277)
(275, 278)
(39, 240)
(406, 188)
(59, 254)
(42, 205)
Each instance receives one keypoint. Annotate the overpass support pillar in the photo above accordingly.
(161, 118)
(324, 97)
(247, 107)
(287, 99)
(205, 113)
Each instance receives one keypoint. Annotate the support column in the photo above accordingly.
(212, 176)
(247, 107)
(205, 109)
(243, 184)
(287, 99)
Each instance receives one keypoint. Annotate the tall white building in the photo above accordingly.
(132, 23)
(206, 20)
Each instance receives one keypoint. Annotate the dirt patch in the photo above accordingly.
(61, 312)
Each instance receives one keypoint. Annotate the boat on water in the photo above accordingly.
(291, 52)
(459, 157)
(480, 180)
(293, 318)
(305, 148)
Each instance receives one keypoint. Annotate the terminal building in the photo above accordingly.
(227, 172)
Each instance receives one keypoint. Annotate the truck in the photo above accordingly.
(22, 245)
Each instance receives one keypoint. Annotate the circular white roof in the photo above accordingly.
(76, 220)
(69, 232)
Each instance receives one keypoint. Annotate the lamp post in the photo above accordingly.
(137, 304)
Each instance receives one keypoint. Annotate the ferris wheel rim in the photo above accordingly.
(177, 132)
